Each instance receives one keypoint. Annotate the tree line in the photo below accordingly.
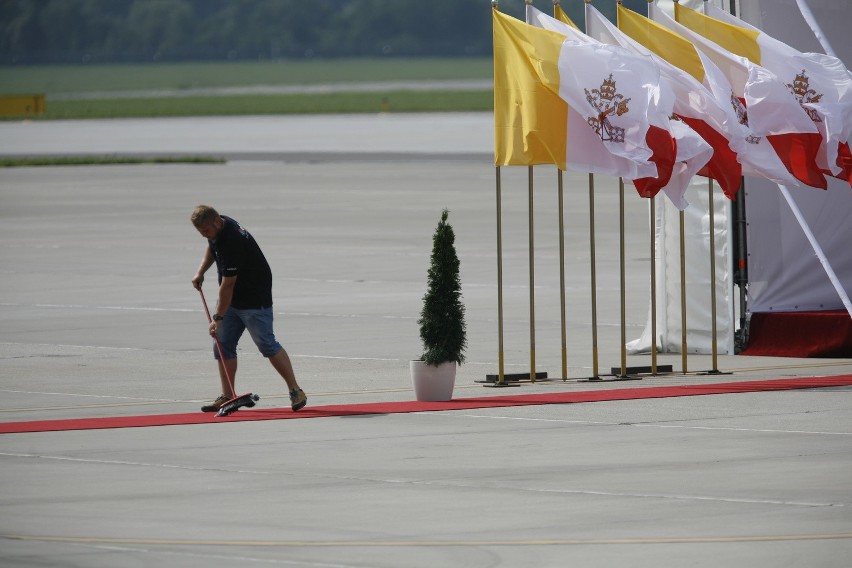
(110, 31)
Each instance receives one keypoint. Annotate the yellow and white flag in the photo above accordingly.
(530, 120)
(613, 93)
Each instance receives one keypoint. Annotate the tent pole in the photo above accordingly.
(814, 25)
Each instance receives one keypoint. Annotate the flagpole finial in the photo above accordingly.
(556, 2)
(495, 4)
(528, 2)
(587, 1)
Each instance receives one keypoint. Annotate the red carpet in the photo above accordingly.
(800, 334)
(413, 406)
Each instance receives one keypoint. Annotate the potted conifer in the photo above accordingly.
(442, 326)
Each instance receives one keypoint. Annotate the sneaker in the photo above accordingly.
(298, 400)
(216, 404)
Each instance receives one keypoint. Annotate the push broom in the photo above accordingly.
(235, 401)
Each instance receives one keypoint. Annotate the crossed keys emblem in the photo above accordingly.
(607, 101)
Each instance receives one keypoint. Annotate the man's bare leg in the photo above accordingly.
(281, 362)
(228, 389)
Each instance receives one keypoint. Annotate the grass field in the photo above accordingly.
(54, 79)
(400, 101)
(64, 87)
(103, 161)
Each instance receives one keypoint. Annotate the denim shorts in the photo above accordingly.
(259, 325)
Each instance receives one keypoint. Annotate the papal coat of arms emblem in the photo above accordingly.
(801, 89)
(742, 117)
(607, 101)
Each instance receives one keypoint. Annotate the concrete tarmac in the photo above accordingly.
(98, 318)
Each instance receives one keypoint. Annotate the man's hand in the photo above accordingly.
(206, 262)
(214, 328)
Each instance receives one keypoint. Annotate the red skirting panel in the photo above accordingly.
(800, 334)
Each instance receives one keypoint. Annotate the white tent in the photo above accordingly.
(784, 271)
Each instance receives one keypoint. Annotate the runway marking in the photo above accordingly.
(797, 366)
(443, 484)
(220, 557)
(136, 464)
(154, 401)
(403, 543)
(335, 357)
(766, 430)
(638, 425)
(81, 406)
(196, 351)
(52, 345)
(86, 307)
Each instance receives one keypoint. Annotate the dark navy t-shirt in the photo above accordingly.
(237, 254)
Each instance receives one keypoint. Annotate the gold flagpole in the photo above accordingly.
(501, 380)
(711, 209)
(594, 284)
(715, 347)
(501, 375)
(683, 346)
(532, 275)
(562, 276)
(562, 260)
(653, 214)
(682, 292)
(532, 265)
(622, 271)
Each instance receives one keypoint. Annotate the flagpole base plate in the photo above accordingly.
(515, 378)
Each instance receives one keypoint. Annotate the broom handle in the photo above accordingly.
(233, 393)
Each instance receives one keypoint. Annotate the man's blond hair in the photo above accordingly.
(202, 215)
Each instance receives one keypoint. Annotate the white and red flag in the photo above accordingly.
(691, 152)
(820, 83)
(764, 103)
(694, 103)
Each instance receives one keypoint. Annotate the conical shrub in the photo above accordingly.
(442, 325)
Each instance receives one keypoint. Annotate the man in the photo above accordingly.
(245, 300)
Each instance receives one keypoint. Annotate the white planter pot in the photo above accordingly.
(433, 383)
